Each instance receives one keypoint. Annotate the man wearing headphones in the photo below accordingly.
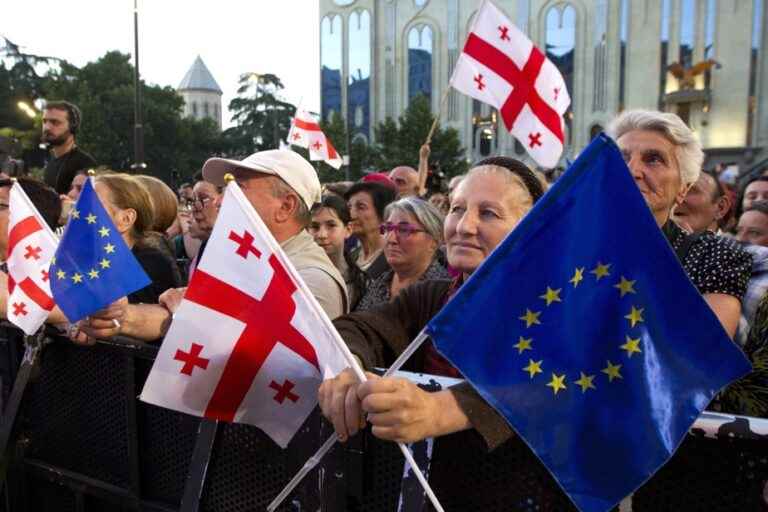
(61, 121)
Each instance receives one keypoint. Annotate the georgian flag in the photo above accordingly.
(500, 66)
(249, 343)
(31, 246)
(306, 133)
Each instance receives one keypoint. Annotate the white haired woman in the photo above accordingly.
(413, 232)
(665, 159)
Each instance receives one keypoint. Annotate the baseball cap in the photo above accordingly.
(288, 165)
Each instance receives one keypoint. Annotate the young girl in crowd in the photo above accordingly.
(330, 229)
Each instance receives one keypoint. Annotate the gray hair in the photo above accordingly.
(426, 214)
(280, 189)
(688, 151)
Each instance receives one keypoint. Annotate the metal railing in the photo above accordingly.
(84, 442)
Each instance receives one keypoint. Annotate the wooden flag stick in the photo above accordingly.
(437, 117)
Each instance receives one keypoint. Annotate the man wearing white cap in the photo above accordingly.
(282, 187)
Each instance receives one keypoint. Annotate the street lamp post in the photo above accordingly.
(138, 128)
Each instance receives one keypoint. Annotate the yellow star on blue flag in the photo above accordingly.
(93, 266)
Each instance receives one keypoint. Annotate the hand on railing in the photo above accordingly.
(101, 325)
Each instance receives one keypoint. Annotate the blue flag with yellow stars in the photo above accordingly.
(93, 267)
(584, 332)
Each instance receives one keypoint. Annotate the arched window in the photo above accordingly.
(194, 108)
(206, 109)
(687, 32)
(420, 48)
(561, 49)
(359, 84)
(330, 64)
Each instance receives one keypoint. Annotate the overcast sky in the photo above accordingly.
(232, 37)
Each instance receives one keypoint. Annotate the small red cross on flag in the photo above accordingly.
(31, 245)
(306, 133)
(518, 80)
(248, 343)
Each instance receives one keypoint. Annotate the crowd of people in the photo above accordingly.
(382, 256)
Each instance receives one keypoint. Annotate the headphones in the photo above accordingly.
(74, 117)
(73, 113)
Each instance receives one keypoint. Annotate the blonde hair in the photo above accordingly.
(523, 200)
(164, 202)
(688, 152)
(127, 192)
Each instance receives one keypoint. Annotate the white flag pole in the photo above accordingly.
(331, 441)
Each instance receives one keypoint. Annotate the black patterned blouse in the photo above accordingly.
(714, 264)
(377, 290)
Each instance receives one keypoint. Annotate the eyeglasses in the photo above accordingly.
(404, 230)
(199, 203)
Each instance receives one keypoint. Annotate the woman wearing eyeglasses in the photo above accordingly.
(412, 232)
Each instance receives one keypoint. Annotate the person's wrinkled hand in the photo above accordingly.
(171, 298)
(340, 405)
(424, 151)
(106, 323)
(398, 409)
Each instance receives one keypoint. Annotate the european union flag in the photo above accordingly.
(584, 332)
(93, 266)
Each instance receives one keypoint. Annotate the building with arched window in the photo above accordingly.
(702, 59)
(201, 93)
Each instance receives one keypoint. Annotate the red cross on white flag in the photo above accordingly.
(248, 343)
(500, 66)
(31, 246)
(306, 133)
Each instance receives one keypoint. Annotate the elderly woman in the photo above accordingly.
(665, 159)
(367, 201)
(485, 207)
(413, 231)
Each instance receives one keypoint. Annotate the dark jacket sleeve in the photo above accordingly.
(378, 336)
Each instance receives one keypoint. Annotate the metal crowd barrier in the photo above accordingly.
(84, 442)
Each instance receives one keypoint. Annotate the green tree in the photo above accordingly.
(104, 92)
(262, 118)
(399, 143)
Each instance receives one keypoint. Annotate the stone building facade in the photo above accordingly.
(376, 55)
